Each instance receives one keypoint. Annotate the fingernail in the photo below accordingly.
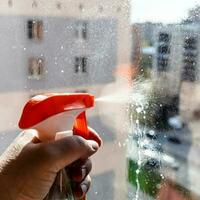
(84, 188)
(93, 145)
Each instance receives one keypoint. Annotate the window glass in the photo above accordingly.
(35, 68)
(80, 64)
(165, 126)
(141, 61)
(35, 29)
(81, 30)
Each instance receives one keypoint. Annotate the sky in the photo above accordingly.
(166, 11)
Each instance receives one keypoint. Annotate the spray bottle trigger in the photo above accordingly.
(80, 126)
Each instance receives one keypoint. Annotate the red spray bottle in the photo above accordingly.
(51, 115)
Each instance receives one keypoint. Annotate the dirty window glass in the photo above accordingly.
(164, 128)
(140, 59)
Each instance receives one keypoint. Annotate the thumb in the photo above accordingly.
(65, 151)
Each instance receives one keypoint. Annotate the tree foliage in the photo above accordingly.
(193, 15)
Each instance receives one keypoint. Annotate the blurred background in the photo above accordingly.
(140, 59)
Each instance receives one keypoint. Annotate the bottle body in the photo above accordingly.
(61, 189)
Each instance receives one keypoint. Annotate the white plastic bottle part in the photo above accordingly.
(53, 128)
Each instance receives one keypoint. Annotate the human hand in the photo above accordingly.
(28, 168)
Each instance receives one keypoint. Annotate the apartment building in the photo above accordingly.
(176, 67)
(59, 45)
(177, 56)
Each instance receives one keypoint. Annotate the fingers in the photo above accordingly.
(65, 151)
(80, 189)
(79, 170)
(32, 133)
(79, 175)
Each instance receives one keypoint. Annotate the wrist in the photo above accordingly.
(5, 192)
(8, 183)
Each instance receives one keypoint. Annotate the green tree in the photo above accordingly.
(193, 15)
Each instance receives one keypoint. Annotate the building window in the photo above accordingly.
(190, 43)
(35, 29)
(81, 30)
(162, 64)
(35, 68)
(58, 5)
(34, 4)
(100, 9)
(80, 64)
(163, 51)
(10, 3)
(189, 59)
(81, 7)
(164, 37)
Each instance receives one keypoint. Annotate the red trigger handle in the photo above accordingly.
(80, 128)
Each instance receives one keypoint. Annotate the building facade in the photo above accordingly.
(176, 67)
(177, 56)
(64, 46)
